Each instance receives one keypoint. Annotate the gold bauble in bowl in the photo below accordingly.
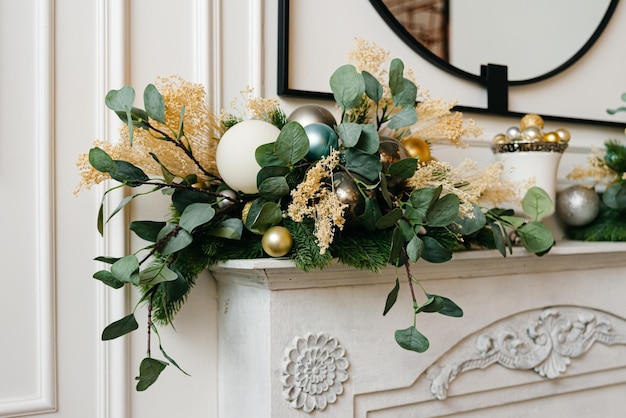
(551, 137)
(564, 134)
(417, 148)
(529, 120)
(277, 241)
(500, 139)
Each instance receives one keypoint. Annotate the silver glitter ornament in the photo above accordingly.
(577, 205)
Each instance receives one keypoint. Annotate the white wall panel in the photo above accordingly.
(27, 348)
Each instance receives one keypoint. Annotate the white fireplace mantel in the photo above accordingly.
(273, 317)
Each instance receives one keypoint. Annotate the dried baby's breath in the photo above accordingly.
(596, 169)
(313, 199)
(201, 129)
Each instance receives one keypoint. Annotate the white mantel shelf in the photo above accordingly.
(281, 273)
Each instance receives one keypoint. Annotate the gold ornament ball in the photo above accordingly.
(551, 137)
(500, 139)
(531, 120)
(564, 134)
(277, 241)
(417, 148)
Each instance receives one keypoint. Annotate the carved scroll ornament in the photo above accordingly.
(313, 372)
(546, 345)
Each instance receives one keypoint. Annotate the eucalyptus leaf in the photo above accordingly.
(176, 289)
(154, 104)
(536, 237)
(397, 245)
(107, 260)
(366, 165)
(100, 160)
(443, 211)
(433, 304)
(407, 96)
(274, 188)
(185, 197)
(178, 238)
(268, 215)
(266, 157)
(147, 230)
(449, 308)
(434, 252)
(406, 117)
(411, 339)
(498, 237)
(370, 214)
(231, 228)
(373, 88)
(396, 76)
(472, 223)
(415, 248)
(348, 86)
(149, 372)
(120, 327)
(156, 274)
(389, 219)
(128, 174)
(369, 142)
(196, 214)
(615, 197)
(422, 199)
(404, 168)
(126, 269)
(515, 221)
(120, 100)
(537, 204)
(107, 278)
(392, 297)
(292, 143)
(350, 133)
(171, 360)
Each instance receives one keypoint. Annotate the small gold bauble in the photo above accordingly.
(532, 133)
(500, 139)
(277, 241)
(563, 134)
(417, 148)
(245, 210)
(531, 120)
(551, 137)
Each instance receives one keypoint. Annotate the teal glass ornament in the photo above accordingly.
(322, 139)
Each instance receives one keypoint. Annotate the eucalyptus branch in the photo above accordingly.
(161, 242)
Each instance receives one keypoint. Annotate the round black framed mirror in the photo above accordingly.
(435, 30)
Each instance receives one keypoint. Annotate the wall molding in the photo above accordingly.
(114, 389)
(46, 398)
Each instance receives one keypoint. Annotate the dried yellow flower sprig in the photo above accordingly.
(315, 199)
(596, 169)
(202, 131)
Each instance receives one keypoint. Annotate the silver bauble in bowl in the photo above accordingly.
(577, 205)
(308, 114)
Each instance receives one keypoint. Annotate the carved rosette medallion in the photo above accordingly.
(545, 345)
(313, 371)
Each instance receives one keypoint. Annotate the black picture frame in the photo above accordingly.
(495, 85)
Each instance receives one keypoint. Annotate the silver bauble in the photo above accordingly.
(532, 133)
(226, 198)
(308, 114)
(348, 193)
(513, 133)
(577, 205)
(391, 151)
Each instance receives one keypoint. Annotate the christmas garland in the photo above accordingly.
(362, 190)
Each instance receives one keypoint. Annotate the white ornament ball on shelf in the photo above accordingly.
(578, 205)
(235, 153)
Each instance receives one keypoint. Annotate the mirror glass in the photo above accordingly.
(533, 38)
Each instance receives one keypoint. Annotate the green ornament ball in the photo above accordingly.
(577, 205)
(322, 139)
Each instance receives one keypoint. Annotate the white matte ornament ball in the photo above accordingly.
(513, 132)
(577, 205)
(235, 152)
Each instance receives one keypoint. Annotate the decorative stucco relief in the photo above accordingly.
(546, 345)
(313, 371)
